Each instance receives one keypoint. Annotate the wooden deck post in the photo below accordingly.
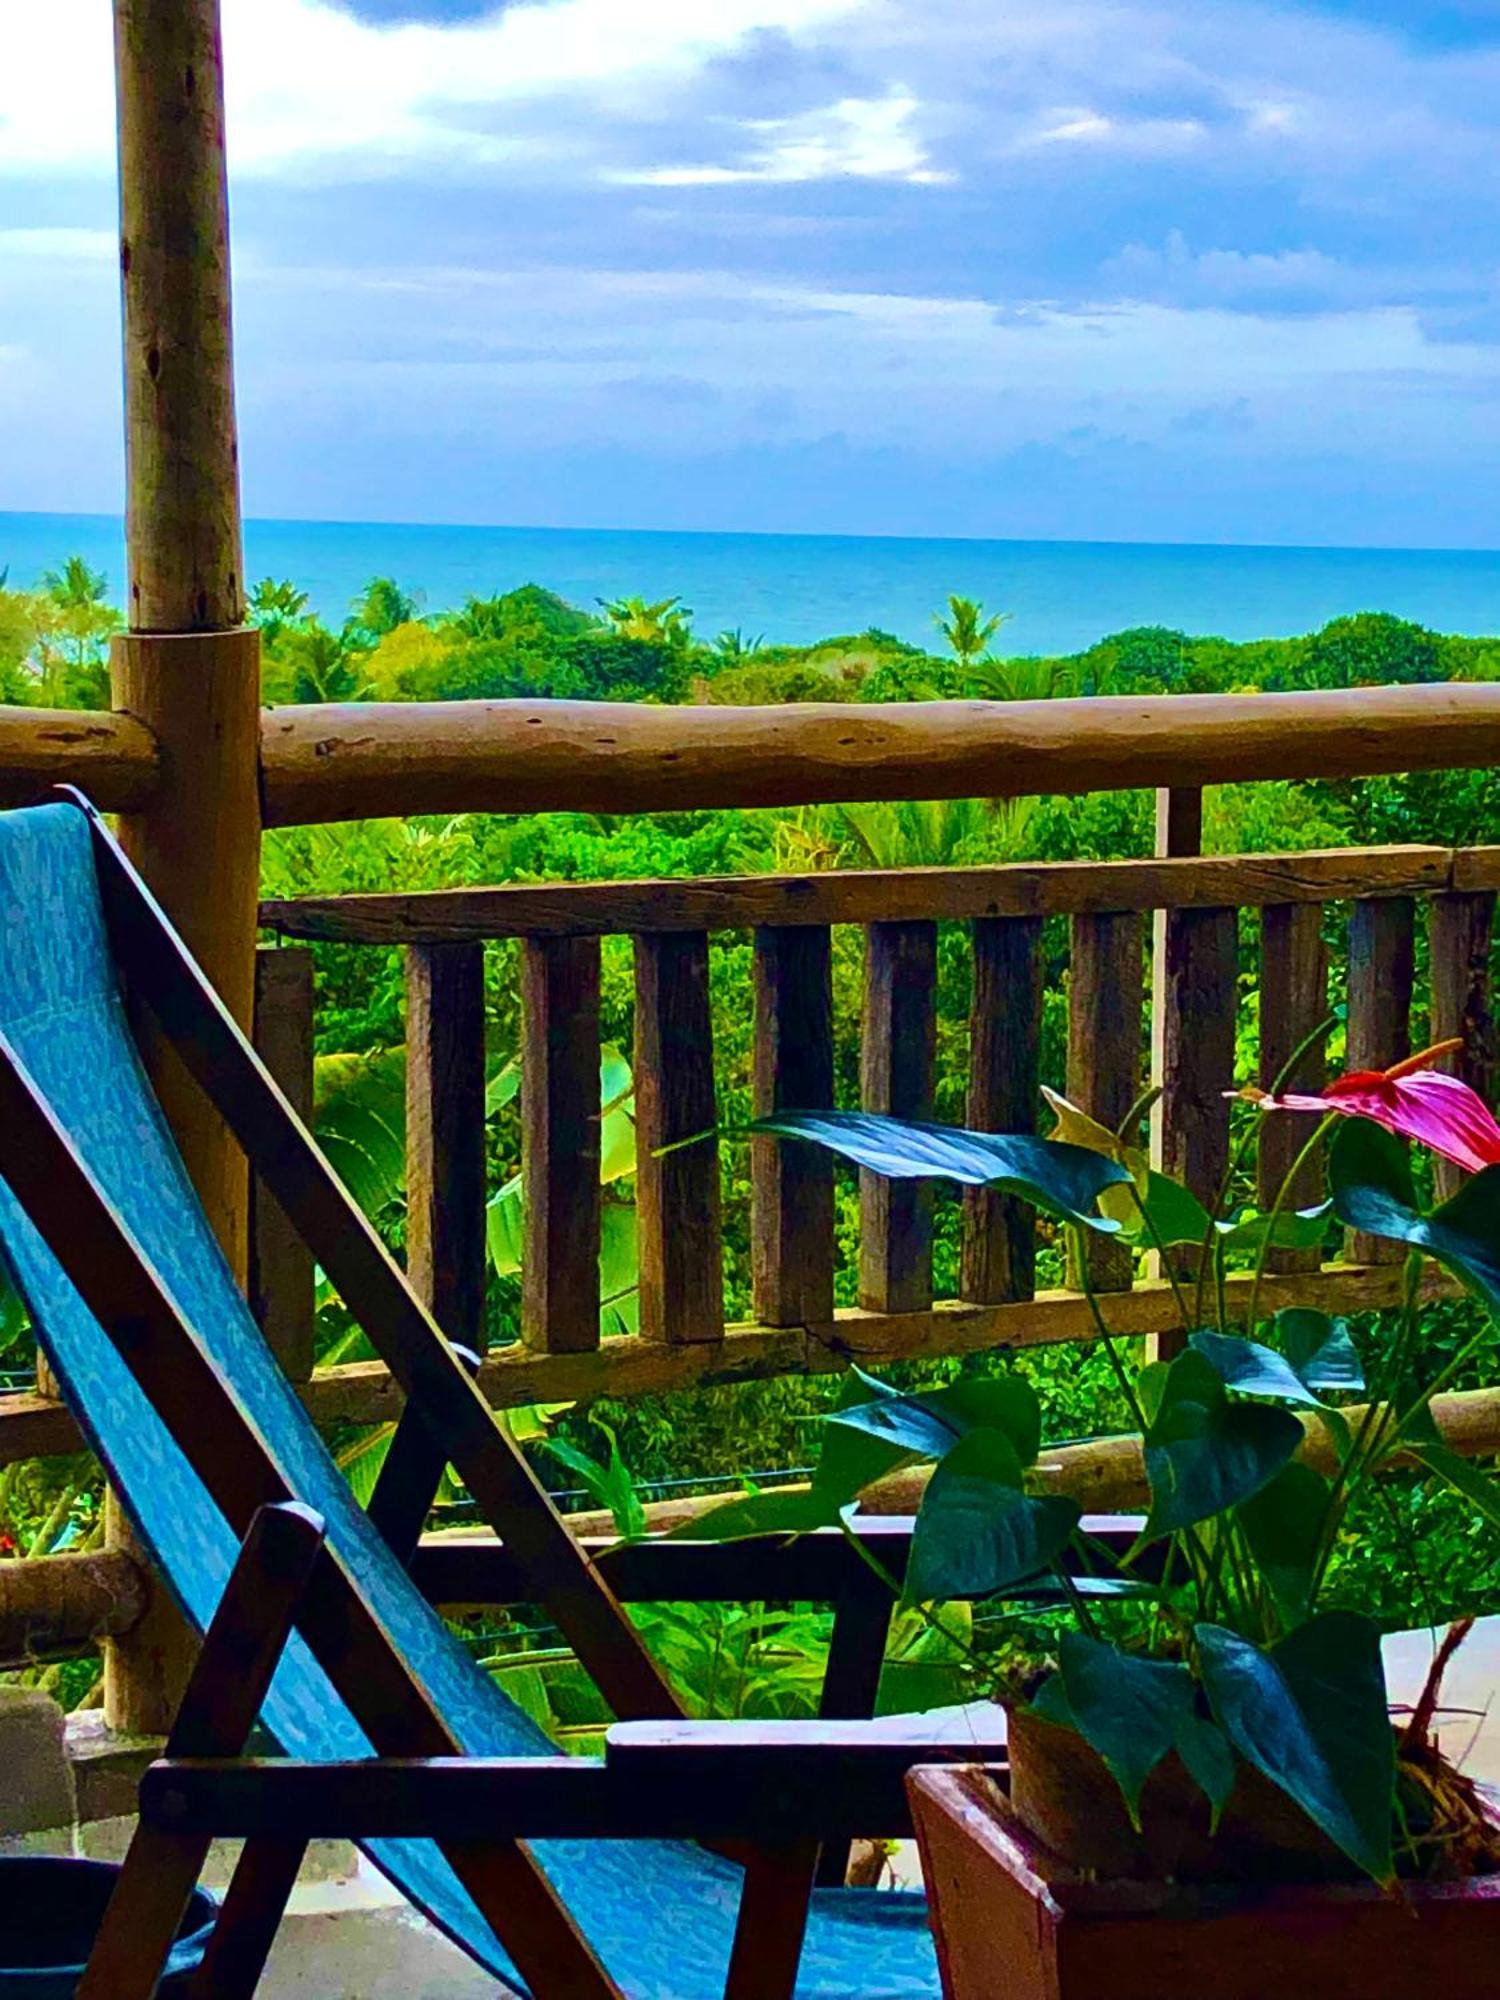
(187, 667)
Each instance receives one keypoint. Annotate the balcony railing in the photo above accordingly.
(1156, 958)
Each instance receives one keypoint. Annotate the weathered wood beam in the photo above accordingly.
(365, 1392)
(113, 758)
(856, 896)
(58, 1604)
(355, 761)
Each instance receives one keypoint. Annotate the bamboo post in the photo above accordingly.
(186, 668)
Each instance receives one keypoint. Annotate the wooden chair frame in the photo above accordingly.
(783, 1787)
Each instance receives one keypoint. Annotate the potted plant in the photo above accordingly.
(1208, 1744)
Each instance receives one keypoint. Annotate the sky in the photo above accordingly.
(1213, 270)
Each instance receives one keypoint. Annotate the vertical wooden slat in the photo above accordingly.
(1106, 991)
(792, 1184)
(445, 1168)
(1382, 935)
(1293, 1001)
(1196, 1006)
(1005, 1028)
(678, 1201)
(282, 1278)
(1179, 831)
(1460, 932)
(896, 1075)
(560, 1137)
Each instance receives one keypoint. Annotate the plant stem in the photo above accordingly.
(1278, 1207)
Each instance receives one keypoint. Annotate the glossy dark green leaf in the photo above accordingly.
(1207, 1757)
(1283, 1525)
(1478, 1488)
(1128, 1708)
(774, 1513)
(1321, 1349)
(1311, 1716)
(1292, 1229)
(928, 1423)
(851, 1457)
(977, 1531)
(1370, 1174)
(1204, 1453)
(1064, 1180)
(1173, 1214)
(1250, 1368)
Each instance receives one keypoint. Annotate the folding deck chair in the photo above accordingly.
(561, 1876)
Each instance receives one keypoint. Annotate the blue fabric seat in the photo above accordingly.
(660, 1914)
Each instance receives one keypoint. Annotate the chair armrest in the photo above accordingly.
(819, 1568)
(758, 1781)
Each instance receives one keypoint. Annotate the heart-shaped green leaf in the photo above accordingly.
(1311, 1716)
(1283, 1525)
(1065, 1181)
(1204, 1453)
(1128, 1708)
(929, 1423)
(1169, 1213)
(1251, 1368)
(1321, 1349)
(1292, 1229)
(1370, 1174)
(977, 1530)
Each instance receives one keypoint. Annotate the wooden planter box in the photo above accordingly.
(1012, 1922)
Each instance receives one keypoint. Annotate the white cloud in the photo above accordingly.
(864, 138)
(311, 84)
(1175, 267)
(1143, 136)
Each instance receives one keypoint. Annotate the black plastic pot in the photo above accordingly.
(50, 1911)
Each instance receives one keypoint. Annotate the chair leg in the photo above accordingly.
(772, 1923)
(259, 1891)
(851, 1681)
(408, 1481)
(240, 1650)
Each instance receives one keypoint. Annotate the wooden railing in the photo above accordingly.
(1178, 927)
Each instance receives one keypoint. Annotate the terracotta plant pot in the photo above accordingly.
(1013, 1921)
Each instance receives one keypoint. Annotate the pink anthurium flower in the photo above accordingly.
(1438, 1111)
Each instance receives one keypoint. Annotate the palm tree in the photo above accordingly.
(326, 666)
(274, 606)
(1021, 679)
(735, 646)
(383, 606)
(966, 628)
(663, 623)
(80, 621)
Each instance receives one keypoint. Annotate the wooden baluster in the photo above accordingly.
(1196, 1006)
(792, 1183)
(1381, 973)
(1293, 1001)
(282, 1280)
(445, 1166)
(560, 1138)
(1005, 1028)
(1106, 993)
(896, 1066)
(678, 1200)
(1460, 932)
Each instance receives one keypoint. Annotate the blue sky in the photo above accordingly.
(1205, 270)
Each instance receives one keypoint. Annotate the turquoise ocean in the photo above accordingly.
(1061, 596)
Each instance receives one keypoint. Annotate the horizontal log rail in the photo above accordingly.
(56, 1604)
(112, 757)
(322, 763)
(397, 758)
(879, 896)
